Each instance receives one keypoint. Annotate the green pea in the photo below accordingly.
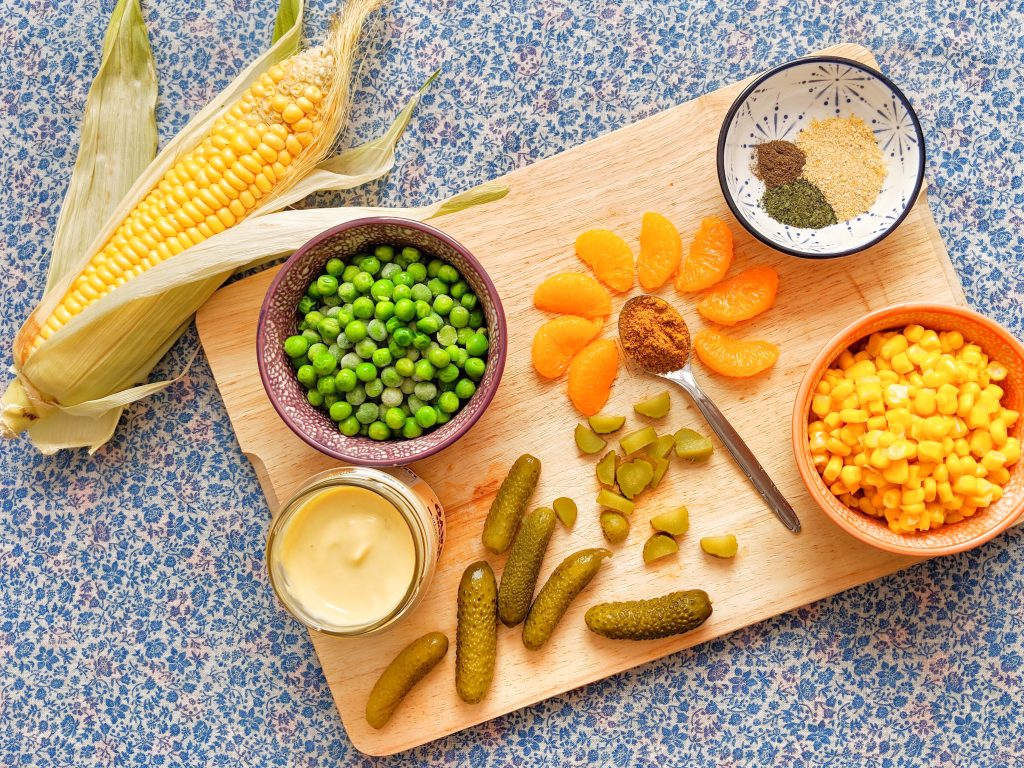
(340, 411)
(394, 418)
(374, 388)
(306, 304)
(313, 291)
(414, 403)
(378, 431)
(421, 292)
(355, 331)
(424, 370)
(465, 389)
(314, 398)
(327, 284)
(391, 377)
(438, 357)
(345, 380)
(474, 368)
(407, 387)
(405, 367)
(443, 304)
(388, 271)
(371, 265)
(330, 400)
(334, 267)
(385, 310)
(405, 309)
(449, 373)
(436, 286)
(331, 301)
(434, 266)
(363, 308)
(297, 362)
(296, 346)
(422, 309)
(315, 349)
(350, 273)
(306, 376)
(442, 418)
(401, 291)
(313, 318)
(476, 318)
(366, 348)
(458, 289)
(448, 273)
(329, 328)
(426, 417)
(425, 391)
(448, 402)
(366, 372)
(362, 282)
(465, 334)
(469, 300)
(377, 330)
(349, 427)
(325, 363)
(421, 340)
(381, 357)
(345, 316)
(384, 252)
(410, 254)
(461, 358)
(411, 429)
(402, 278)
(382, 289)
(417, 271)
(392, 324)
(477, 345)
(347, 292)
(350, 360)
(326, 386)
(391, 397)
(311, 336)
(357, 396)
(447, 336)
(367, 413)
(428, 325)
(396, 350)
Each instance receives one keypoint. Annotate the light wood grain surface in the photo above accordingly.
(666, 164)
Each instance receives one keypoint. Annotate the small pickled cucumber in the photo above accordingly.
(523, 565)
(606, 469)
(675, 522)
(612, 500)
(693, 445)
(633, 477)
(720, 546)
(614, 526)
(476, 634)
(510, 503)
(661, 447)
(634, 441)
(409, 667)
(658, 546)
(565, 510)
(671, 614)
(655, 407)
(567, 580)
(587, 441)
(604, 424)
(660, 468)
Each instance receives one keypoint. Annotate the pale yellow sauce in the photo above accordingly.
(347, 556)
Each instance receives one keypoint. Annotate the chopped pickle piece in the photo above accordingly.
(634, 441)
(612, 500)
(565, 510)
(615, 526)
(633, 477)
(658, 546)
(603, 424)
(693, 445)
(606, 469)
(661, 447)
(720, 546)
(655, 407)
(675, 522)
(587, 441)
(660, 468)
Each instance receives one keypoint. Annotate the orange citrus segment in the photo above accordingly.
(660, 251)
(742, 297)
(573, 293)
(609, 256)
(557, 342)
(591, 374)
(734, 357)
(709, 257)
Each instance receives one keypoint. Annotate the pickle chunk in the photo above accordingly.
(671, 614)
(510, 503)
(612, 500)
(523, 566)
(720, 546)
(633, 477)
(693, 445)
(660, 468)
(606, 469)
(614, 526)
(565, 510)
(605, 424)
(675, 522)
(655, 407)
(567, 580)
(587, 441)
(658, 546)
(634, 441)
(661, 447)
(476, 633)
(409, 667)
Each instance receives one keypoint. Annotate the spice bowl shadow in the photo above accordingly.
(781, 103)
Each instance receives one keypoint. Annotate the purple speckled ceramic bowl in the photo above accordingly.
(278, 321)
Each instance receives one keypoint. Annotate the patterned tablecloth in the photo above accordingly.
(137, 624)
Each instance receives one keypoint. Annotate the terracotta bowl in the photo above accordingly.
(956, 537)
(278, 321)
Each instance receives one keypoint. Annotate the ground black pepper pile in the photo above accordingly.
(778, 162)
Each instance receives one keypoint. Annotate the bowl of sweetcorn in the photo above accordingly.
(907, 429)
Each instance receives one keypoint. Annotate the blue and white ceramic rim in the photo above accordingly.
(895, 124)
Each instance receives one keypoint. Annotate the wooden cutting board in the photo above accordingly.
(665, 163)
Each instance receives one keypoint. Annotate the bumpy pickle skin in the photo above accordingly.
(671, 614)
(510, 502)
(409, 667)
(567, 580)
(519, 578)
(476, 634)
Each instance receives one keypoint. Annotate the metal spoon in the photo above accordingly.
(683, 376)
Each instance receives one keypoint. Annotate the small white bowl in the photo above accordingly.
(778, 105)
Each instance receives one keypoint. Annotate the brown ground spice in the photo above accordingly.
(654, 334)
(778, 162)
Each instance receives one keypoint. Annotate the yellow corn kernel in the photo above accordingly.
(874, 344)
(901, 449)
(837, 447)
(940, 473)
(928, 488)
(832, 420)
(996, 370)
(820, 460)
(853, 415)
(872, 478)
(817, 442)
(899, 419)
(944, 491)
(869, 391)
(832, 469)
(879, 459)
(924, 402)
(912, 511)
(886, 374)
(898, 472)
(850, 476)
(946, 399)
(860, 369)
(980, 442)
(930, 450)
(891, 497)
(971, 355)
(841, 391)
(930, 340)
(999, 476)
(992, 461)
(876, 422)
(901, 363)
(1011, 450)
(893, 346)
(917, 354)
(966, 485)
(837, 489)
(896, 395)
(961, 447)
(821, 405)
(913, 496)
(1009, 417)
(960, 428)
(950, 341)
(978, 418)
(851, 434)
(997, 431)
(860, 459)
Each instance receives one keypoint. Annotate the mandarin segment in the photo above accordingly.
(558, 340)
(709, 257)
(609, 256)
(573, 293)
(591, 375)
(742, 297)
(661, 249)
(734, 357)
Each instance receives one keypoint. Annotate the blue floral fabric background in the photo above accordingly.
(136, 623)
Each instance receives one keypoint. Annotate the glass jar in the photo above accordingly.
(415, 502)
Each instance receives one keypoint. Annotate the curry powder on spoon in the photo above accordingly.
(654, 334)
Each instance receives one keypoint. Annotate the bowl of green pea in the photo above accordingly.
(381, 341)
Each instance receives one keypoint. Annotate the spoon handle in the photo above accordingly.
(744, 457)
